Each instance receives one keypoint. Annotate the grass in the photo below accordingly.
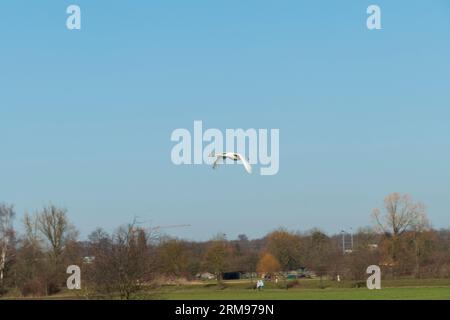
(420, 293)
(407, 289)
(404, 289)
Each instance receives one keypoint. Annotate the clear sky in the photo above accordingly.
(86, 116)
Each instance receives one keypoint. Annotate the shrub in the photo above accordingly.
(3, 290)
(358, 284)
(292, 284)
(33, 287)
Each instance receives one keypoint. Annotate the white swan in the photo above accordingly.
(233, 156)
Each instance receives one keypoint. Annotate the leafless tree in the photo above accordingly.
(122, 263)
(54, 225)
(30, 267)
(6, 230)
(401, 214)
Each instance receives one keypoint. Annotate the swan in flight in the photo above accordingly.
(220, 157)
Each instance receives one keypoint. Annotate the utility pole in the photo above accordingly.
(351, 236)
(343, 242)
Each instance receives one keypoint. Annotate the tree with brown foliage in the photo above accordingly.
(286, 248)
(173, 258)
(216, 256)
(268, 264)
(319, 252)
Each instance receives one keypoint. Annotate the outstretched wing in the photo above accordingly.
(247, 165)
(217, 162)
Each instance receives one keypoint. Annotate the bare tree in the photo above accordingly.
(51, 225)
(30, 266)
(6, 216)
(401, 214)
(54, 225)
(122, 262)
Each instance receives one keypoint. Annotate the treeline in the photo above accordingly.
(133, 257)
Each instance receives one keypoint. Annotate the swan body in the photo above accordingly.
(220, 157)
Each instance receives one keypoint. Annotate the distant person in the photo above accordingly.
(259, 285)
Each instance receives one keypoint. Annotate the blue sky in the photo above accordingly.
(86, 116)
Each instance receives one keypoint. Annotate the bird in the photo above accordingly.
(233, 156)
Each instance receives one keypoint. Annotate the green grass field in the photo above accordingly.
(309, 290)
(405, 289)
(422, 293)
